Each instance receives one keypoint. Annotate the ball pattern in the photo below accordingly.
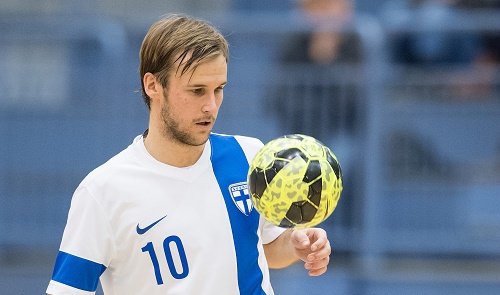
(295, 181)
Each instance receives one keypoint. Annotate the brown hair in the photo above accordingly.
(178, 37)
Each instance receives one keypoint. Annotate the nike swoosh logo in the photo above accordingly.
(142, 231)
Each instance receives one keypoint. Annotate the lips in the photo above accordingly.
(205, 121)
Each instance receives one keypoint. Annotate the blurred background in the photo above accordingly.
(405, 92)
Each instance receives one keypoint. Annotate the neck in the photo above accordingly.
(171, 152)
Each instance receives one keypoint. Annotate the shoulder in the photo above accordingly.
(111, 169)
(249, 145)
(249, 142)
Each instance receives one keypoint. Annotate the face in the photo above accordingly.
(339, 9)
(191, 102)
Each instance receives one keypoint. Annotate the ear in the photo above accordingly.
(152, 86)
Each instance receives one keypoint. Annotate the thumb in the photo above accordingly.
(300, 239)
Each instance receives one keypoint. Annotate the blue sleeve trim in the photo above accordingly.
(77, 272)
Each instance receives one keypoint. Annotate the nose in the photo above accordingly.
(211, 103)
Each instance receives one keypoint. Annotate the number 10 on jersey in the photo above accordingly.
(171, 242)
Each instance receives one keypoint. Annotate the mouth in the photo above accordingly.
(205, 122)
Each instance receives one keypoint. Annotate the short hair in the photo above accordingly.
(178, 37)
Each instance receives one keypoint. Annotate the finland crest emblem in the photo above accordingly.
(241, 198)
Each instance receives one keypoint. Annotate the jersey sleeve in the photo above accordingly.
(269, 232)
(86, 248)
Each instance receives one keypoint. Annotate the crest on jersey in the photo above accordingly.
(241, 198)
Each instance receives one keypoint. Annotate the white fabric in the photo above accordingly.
(134, 190)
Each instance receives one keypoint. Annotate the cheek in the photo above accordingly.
(176, 101)
(219, 99)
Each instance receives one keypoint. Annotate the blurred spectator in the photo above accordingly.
(473, 56)
(482, 77)
(434, 47)
(478, 4)
(324, 45)
(319, 99)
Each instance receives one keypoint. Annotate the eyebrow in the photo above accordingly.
(203, 85)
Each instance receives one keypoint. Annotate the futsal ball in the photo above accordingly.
(295, 181)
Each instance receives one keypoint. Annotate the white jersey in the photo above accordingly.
(143, 227)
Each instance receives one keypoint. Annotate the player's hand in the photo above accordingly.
(313, 247)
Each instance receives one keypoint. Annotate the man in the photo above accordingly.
(158, 217)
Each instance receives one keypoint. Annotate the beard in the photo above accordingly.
(172, 130)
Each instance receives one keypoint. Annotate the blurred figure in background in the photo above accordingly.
(432, 47)
(327, 43)
(319, 97)
(469, 57)
(481, 79)
(442, 52)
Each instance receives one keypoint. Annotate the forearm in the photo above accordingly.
(280, 253)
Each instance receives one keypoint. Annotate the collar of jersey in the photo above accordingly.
(184, 173)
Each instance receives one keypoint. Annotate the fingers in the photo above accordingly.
(317, 267)
(313, 240)
(320, 249)
(318, 239)
(300, 239)
(317, 255)
(317, 261)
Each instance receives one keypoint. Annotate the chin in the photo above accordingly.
(196, 140)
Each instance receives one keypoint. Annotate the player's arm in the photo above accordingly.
(309, 245)
(280, 252)
(86, 248)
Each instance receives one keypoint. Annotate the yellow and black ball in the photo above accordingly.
(295, 181)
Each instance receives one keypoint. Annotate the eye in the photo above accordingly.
(198, 91)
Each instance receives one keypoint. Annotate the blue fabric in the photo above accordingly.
(230, 166)
(77, 272)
